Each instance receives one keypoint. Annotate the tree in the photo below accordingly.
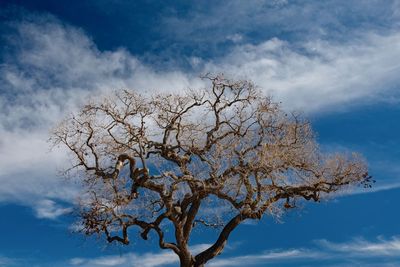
(160, 162)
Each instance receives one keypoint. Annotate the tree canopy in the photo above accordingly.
(163, 161)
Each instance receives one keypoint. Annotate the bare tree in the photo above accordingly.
(160, 162)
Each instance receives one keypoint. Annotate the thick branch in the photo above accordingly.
(219, 245)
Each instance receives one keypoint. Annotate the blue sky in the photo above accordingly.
(336, 61)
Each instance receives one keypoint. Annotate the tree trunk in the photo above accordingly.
(189, 263)
(199, 265)
(186, 260)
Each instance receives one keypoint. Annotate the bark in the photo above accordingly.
(219, 245)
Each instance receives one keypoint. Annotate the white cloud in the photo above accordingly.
(49, 209)
(236, 38)
(387, 185)
(108, 261)
(358, 250)
(27, 169)
(266, 258)
(263, 19)
(319, 75)
(128, 259)
(5, 261)
(363, 248)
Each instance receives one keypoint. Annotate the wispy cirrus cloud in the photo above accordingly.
(130, 259)
(5, 261)
(49, 209)
(356, 252)
(260, 20)
(268, 257)
(319, 75)
(364, 248)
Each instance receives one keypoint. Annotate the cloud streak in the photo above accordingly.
(319, 75)
(49, 209)
(267, 257)
(364, 248)
(130, 259)
(296, 21)
(358, 251)
(5, 261)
